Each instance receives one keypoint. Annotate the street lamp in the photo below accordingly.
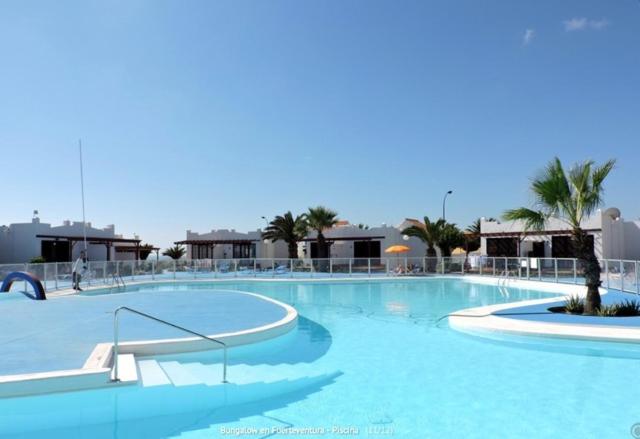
(444, 200)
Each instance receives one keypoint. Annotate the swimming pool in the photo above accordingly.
(367, 359)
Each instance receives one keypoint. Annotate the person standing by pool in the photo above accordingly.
(79, 267)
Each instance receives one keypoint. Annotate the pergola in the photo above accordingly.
(526, 233)
(522, 235)
(106, 241)
(210, 244)
(345, 238)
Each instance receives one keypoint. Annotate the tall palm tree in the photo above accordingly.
(288, 229)
(175, 252)
(321, 218)
(428, 232)
(570, 197)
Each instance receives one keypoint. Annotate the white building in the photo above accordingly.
(229, 244)
(346, 241)
(613, 237)
(22, 242)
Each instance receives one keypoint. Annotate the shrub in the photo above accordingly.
(37, 260)
(573, 305)
(608, 310)
(628, 308)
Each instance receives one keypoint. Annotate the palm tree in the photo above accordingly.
(288, 229)
(570, 197)
(450, 237)
(175, 252)
(429, 233)
(473, 234)
(321, 218)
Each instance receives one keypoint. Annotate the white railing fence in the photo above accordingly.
(618, 274)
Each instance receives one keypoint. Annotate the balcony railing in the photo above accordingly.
(617, 274)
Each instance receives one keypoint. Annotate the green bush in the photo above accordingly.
(608, 310)
(37, 260)
(628, 308)
(573, 305)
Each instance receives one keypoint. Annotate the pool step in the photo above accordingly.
(127, 371)
(152, 374)
(164, 373)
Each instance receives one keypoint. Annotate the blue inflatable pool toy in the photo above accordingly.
(31, 279)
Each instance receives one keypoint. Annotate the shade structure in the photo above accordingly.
(395, 249)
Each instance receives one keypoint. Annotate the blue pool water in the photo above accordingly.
(367, 359)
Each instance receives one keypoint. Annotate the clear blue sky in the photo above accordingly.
(209, 114)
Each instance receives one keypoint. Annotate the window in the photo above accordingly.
(562, 246)
(505, 247)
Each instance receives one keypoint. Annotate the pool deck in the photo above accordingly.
(73, 334)
(533, 318)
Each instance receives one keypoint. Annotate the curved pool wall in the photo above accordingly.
(371, 356)
(67, 342)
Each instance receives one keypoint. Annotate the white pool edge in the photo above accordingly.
(475, 321)
(96, 371)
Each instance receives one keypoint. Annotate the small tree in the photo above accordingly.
(429, 232)
(450, 238)
(175, 252)
(319, 219)
(288, 229)
(570, 197)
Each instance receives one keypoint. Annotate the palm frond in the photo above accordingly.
(533, 220)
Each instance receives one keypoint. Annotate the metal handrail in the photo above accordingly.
(116, 280)
(156, 319)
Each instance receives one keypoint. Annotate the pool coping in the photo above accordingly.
(483, 320)
(97, 371)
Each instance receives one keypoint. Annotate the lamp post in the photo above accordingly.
(444, 201)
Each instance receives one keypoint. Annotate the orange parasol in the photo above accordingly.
(397, 249)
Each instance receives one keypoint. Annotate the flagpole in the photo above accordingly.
(84, 220)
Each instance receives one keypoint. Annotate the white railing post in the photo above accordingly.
(528, 268)
(621, 275)
(255, 268)
(291, 265)
(153, 270)
(330, 267)
(494, 266)
(575, 271)
(555, 268)
(369, 266)
(350, 267)
(174, 269)
(215, 268)
(55, 273)
(481, 264)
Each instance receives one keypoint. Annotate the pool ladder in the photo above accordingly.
(502, 282)
(116, 349)
(117, 282)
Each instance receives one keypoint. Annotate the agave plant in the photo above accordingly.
(571, 197)
(319, 219)
(288, 229)
(574, 305)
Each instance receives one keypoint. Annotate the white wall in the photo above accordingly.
(18, 242)
(618, 239)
